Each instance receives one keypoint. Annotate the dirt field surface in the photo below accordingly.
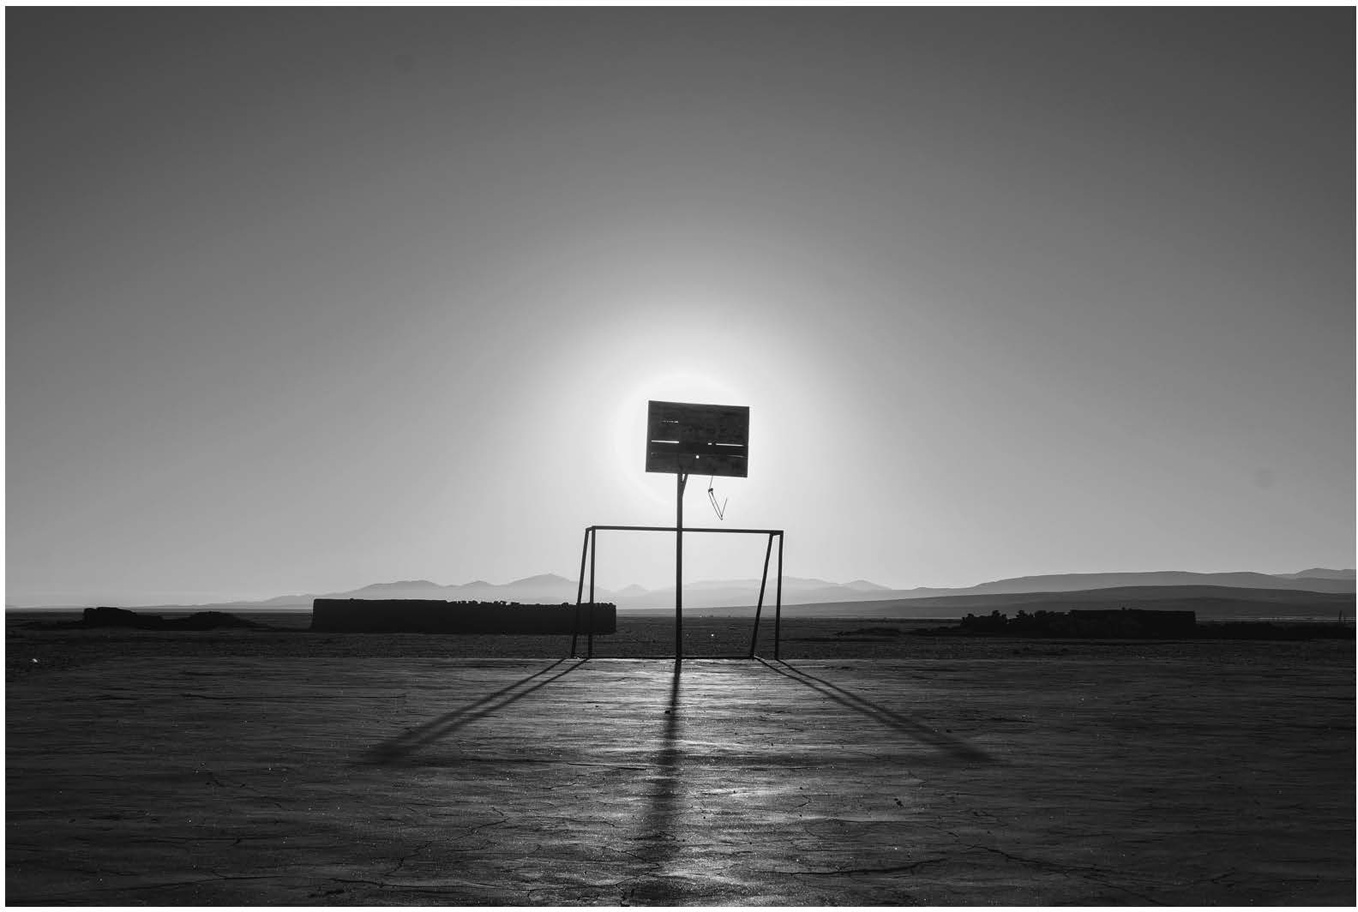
(867, 767)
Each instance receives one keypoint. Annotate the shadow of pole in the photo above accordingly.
(403, 745)
(659, 843)
(917, 730)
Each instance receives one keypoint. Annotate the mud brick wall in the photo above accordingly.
(431, 616)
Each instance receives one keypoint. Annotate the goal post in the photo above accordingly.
(588, 555)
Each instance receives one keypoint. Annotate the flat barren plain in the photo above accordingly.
(866, 766)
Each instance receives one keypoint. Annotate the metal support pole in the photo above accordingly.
(593, 553)
(681, 478)
(778, 604)
(579, 590)
(763, 580)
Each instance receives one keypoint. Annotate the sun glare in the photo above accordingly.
(719, 352)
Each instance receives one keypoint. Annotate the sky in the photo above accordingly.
(299, 300)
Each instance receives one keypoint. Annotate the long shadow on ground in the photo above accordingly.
(878, 713)
(405, 744)
(658, 838)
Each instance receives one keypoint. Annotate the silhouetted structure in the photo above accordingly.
(686, 437)
(433, 616)
(1133, 623)
(104, 616)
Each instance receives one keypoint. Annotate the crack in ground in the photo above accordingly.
(217, 781)
(207, 878)
(221, 876)
(382, 885)
(406, 857)
(895, 869)
(415, 888)
(504, 818)
(1095, 874)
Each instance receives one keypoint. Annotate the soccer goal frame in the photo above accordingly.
(589, 550)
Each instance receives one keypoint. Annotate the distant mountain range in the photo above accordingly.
(551, 589)
(1209, 603)
(1319, 573)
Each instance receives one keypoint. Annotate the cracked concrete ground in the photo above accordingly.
(1173, 777)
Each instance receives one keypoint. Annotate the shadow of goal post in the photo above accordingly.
(590, 548)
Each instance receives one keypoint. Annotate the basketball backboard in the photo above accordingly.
(687, 438)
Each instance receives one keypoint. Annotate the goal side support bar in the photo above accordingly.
(590, 547)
